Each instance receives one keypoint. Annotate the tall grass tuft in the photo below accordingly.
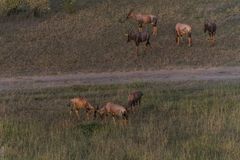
(175, 121)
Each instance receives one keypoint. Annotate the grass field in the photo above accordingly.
(92, 39)
(184, 121)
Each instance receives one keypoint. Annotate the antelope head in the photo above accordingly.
(100, 111)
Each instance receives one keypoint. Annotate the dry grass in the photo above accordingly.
(182, 121)
(92, 39)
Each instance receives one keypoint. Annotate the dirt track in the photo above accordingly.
(33, 82)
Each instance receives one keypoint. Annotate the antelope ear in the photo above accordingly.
(125, 34)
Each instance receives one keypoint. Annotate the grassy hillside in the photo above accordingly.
(182, 121)
(92, 39)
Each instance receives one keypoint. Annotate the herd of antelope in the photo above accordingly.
(181, 29)
(115, 110)
(134, 98)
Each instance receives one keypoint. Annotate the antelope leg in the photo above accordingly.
(189, 42)
(125, 121)
(178, 40)
(213, 40)
(77, 114)
(87, 115)
(114, 121)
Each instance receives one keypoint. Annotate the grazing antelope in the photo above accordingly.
(181, 30)
(114, 109)
(139, 37)
(79, 103)
(134, 99)
(144, 19)
(211, 27)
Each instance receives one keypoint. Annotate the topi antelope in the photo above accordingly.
(144, 19)
(134, 99)
(181, 30)
(139, 37)
(114, 109)
(79, 103)
(211, 27)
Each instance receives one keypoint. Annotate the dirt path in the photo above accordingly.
(33, 82)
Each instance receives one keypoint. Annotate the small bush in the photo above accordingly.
(70, 6)
(38, 7)
(27, 7)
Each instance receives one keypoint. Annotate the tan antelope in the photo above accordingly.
(139, 37)
(80, 103)
(134, 99)
(113, 109)
(211, 27)
(144, 19)
(181, 30)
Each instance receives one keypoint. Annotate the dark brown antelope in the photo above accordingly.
(139, 37)
(211, 27)
(113, 109)
(181, 30)
(134, 99)
(144, 19)
(79, 103)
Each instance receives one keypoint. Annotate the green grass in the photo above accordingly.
(188, 120)
(92, 39)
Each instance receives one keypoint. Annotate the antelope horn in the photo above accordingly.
(131, 10)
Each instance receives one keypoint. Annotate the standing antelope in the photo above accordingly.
(79, 103)
(139, 37)
(144, 19)
(211, 27)
(181, 30)
(134, 99)
(115, 110)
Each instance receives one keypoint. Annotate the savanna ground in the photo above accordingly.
(91, 39)
(181, 120)
(184, 120)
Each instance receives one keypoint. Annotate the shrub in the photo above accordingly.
(70, 6)
(28, 7)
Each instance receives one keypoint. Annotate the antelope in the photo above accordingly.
(114, 109)
(79, 103)
(211, 27)
(181, 30)
(139, 37)
(144, 19)
(134, 99)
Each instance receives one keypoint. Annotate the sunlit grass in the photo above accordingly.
(176, 121)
